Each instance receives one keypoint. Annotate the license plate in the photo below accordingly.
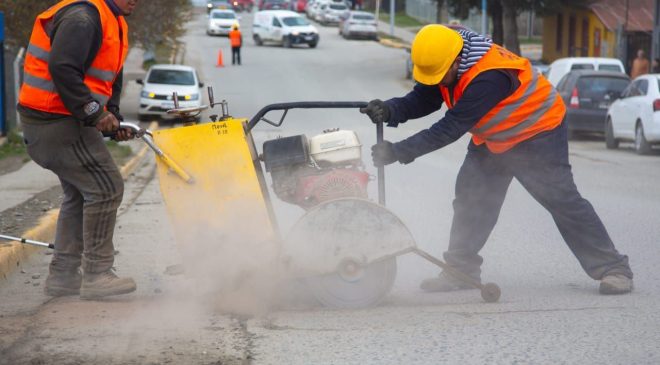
(167, 105)
(603, 105)
(308, 37)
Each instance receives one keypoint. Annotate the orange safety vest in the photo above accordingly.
(38, 90)
(533, 108)
(235, 38)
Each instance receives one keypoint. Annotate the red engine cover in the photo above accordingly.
(334, 184)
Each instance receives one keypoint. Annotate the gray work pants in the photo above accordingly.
(93, 189)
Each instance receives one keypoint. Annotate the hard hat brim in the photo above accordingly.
(427, 79)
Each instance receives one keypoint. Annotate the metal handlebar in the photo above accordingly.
(300, 105)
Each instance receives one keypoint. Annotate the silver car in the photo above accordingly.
(358, 24)
(331, 12)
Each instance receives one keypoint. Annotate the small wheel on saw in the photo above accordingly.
(490, 292)
(354, 285)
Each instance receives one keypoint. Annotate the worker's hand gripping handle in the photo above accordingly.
(381, 169)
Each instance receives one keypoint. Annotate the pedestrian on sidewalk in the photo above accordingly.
(70, 96)
(515, 118)
(640, 65)
(236, 41)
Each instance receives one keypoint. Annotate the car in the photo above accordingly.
(562, 66)
(161, 81)
(358, 24)
(299, 6)
(284, 27)
(588, 95)
(636, 115)
(242, 5)
(217, 4)
(221, 21)
(331, 12)
(274, 5)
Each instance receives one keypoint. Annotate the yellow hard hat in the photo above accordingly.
(235, 26)
(433, 52)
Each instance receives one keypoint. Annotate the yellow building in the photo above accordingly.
(591, 31)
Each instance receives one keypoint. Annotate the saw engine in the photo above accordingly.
(307, 172)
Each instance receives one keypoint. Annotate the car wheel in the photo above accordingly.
(642, 146)
(257, 40)
(286, 42)
(144, 117)
(610, 142)
(313, 44)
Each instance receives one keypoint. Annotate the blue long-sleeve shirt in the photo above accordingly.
(479, 97)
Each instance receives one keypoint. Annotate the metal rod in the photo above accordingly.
(381, 169)
(449, 269)
(27, 241)
(303, 105)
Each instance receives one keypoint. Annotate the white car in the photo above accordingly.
(358, 24)
(332, 12)
(562, 66)
(284, 27)
(159, 85)
(221, 21)
(636, 115)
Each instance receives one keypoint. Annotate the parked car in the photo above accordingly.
(221, 21)
(331, 12)
(636, 115)
(217, 4)
(562, 66)
(588, 95)
(242, 5)
(299, 6)
(159, 84)
(273, 5)
(285, 27)
(358, 24)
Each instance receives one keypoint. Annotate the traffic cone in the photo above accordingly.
(219, 64)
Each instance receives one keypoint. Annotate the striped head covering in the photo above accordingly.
(475, 46)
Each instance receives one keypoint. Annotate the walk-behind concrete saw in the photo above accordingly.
(343, 248)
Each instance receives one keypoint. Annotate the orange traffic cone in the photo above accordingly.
(219, 64)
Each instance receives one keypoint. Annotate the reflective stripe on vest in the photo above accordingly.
(533, 108)
(38, 90)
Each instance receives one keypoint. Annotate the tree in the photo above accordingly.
(153, 20)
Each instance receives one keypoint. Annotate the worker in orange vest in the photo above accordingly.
(515, 117)
(236, 41)
(70, 94)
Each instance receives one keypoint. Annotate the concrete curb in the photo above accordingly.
(393, 44)
(11, 254)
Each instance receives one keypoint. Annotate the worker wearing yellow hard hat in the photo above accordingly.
(515, 117)
(236, 41)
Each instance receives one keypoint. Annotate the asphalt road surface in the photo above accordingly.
(550, 311)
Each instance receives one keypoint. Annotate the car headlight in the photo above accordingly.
(191, 97)
(146, 94)
(295, 33)
(209, 6)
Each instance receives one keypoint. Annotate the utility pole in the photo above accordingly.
(3, 118)
(392, 10)
(484, 17)
(655, 45)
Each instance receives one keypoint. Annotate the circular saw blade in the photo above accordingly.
(345, 249)
(365, 290)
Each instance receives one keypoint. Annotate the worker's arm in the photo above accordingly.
(76, 37)
(421, 101)
(483, 93)
(113, 103)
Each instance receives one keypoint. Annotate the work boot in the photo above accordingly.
(63, 283)
(95, 286)
(445, 282)
(616, 284)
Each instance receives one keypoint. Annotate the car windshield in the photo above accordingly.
(223, 15)
(614, 68)
(582, 66)
(338, 7)
(293, 21)
(171, 77)
(363, 17)
(596, 87)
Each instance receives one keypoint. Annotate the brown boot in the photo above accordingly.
(444, 283)
(615, 284)
(62, 283)
(95, 286)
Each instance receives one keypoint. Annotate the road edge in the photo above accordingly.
(12, 254)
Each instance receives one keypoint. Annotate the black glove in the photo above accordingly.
(115, 111)
(377, 111)
(383, 154)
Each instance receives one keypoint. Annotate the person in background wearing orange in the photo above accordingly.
(640, 65)
(235, 40)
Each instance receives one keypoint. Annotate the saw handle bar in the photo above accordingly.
(300, 105)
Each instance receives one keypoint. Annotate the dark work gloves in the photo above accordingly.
(377, 111)
(383, 154)
(115, 111)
